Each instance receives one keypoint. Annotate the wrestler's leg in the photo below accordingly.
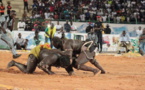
(29, 68)
(46, 63)
(82, 59)
(96, 64)
(86, 68)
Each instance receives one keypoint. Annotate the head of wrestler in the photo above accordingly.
(57, 43)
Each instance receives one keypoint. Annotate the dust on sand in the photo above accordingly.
(123, 73)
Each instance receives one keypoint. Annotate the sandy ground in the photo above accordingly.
(123, 73)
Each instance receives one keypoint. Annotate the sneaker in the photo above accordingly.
(10, 64)
(16, 56)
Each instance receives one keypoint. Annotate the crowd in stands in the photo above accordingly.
(83, 10)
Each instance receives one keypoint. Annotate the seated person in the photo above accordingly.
(124, 41)
(20, 42)
(142, 43)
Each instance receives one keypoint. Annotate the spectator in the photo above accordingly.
(21, 43)
(73, 27)
(142, 42)
(37, 38)
(47, 14)
(26, 5)
(24, 16)
(9, 8)
(2, 9)
(58, 26)
(107, 30)
(87, 15)
(37, 15)
(82, 17)
(139, 31)
(21, 25)
(67, 27)
(124, 41)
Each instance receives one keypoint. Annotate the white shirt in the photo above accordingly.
(20, 41)
(58, 26)
(47, 15)
(139, 32)
(125, 38)
(82, 17)
(21, 25)
(104, 18)
(37, 15)
(73, 28)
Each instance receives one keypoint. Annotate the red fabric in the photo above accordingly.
(51, 8)
(9, 7)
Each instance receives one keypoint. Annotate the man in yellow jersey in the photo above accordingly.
(49, 33)
(44, 57)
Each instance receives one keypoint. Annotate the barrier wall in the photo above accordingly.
(109, 41)
(116, 28)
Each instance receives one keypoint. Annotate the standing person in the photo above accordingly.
(58, 26)
(2, 9)
(9, 8)
(49, 33)
(26, 5)
(142, 42)
(98, 30)
(67, 27)
(7, 37)
(37, 38)
(73, 27)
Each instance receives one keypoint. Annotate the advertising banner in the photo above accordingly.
(110, 42)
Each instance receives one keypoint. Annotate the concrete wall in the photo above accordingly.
(18, 6)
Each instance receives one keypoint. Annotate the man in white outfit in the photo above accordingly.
(124, 41)
(6, 33)
(139, 31)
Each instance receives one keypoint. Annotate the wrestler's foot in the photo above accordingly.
(52, 73)
(16, 56)
(103, 72)
(71, 73)
(96, 72)
(10, 64)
